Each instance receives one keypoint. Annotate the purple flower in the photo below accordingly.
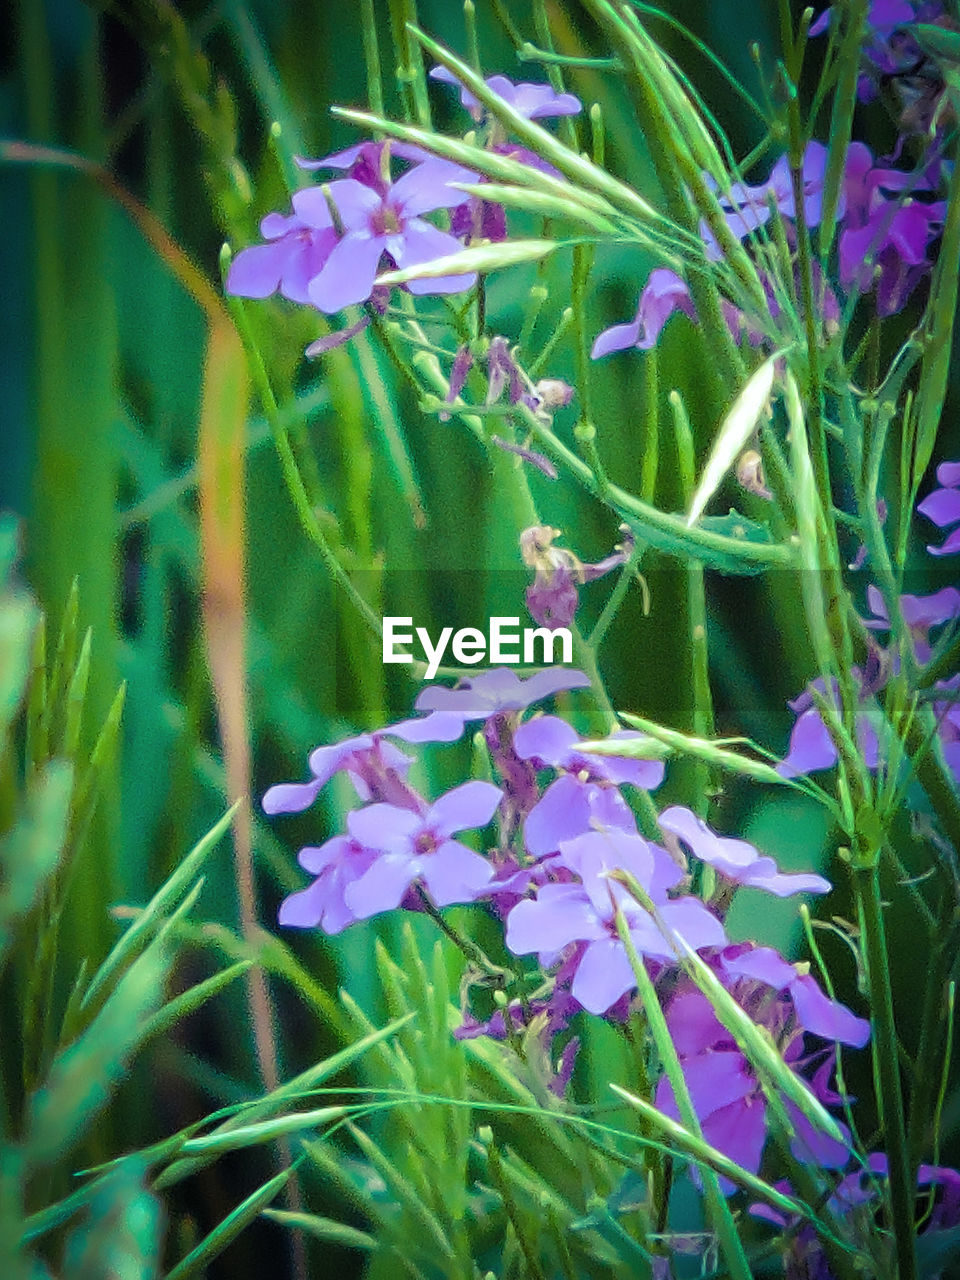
(562, 914)
(858, 1192)
(477, 219)
(418, 846)
(569, 807)
(947, 713)
(814, 1011)
(894, 61)
(663, 294)
(882, 17)
(811, 747)
(377, 224)
(884, 236)
(368, 162)
(532, 101)
(736, 860)
(920, 613)
(296, 254)
(375, 767)
(726, 1096)
(942, 506)
(494, 692)
(746, 208)
(336, 864)
(548, 740)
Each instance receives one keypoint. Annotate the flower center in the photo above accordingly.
(426, 842)
(386, 221)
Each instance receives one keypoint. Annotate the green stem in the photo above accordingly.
(928, 1048)
(717, 1206)
(371, 57)
(291, 472)
(867, 885)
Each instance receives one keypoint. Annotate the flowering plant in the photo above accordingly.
(591, 918)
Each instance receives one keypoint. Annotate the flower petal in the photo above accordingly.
(422, 242)
(454, 873)
(348, 274)
(603, 975)
(472, 804)
(290, 797)
(822, 1016)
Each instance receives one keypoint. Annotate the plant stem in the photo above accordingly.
(867, 885)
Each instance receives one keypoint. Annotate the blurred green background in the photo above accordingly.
(102, 387)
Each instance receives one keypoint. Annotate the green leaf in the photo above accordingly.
(482, 258)
(123, 1232)
(214, 1244)
(18, 619)
(137, 935)
(736, 429)
(83, 1074)
(74, 699)
(9, 547)
(193, 998)
(282, 1096)
(64, 658)
(325, 1229)
(252, 1135)
(684, 744)
(30, 852)
(14, 1263)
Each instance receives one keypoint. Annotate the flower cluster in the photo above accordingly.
(894, 62)
(887, 223)
(568, 872)
(859, 1195)
(328, 251)
(812, 746)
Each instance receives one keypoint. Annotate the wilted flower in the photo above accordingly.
(553, 596)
